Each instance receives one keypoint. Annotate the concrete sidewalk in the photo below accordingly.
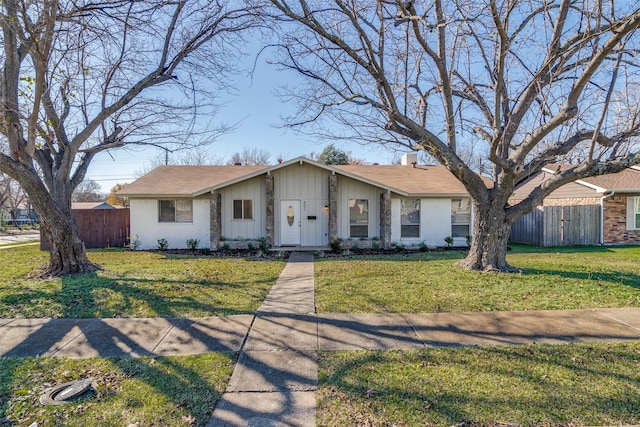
(275, 378)
(271, 331)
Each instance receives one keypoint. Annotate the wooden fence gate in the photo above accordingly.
(100, 228)
(559, 226)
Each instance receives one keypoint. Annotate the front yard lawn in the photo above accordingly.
(538, 385)
(551, 279)
(162, 391)
(135, 284)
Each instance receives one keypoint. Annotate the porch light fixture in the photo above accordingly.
(326, 208)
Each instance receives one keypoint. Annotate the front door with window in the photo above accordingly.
(290, 222)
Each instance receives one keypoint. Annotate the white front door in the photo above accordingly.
(290, 222)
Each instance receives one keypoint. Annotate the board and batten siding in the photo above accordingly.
(244, 229)
(310, 185)
(435, 222)
(351, 189)
(147, 229)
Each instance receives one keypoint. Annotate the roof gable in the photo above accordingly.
(185, 181)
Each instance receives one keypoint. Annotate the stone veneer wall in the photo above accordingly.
(615, 221)
(215, 227)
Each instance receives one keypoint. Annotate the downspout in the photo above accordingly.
(602, 199)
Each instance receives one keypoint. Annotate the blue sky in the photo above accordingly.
(258, 109)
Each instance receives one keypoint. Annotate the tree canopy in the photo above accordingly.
(519, 84)
(81, 78)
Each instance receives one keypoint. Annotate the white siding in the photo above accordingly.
(310, 185)
(148, 230)
(240, 229)
(435, 223)
(351, 189)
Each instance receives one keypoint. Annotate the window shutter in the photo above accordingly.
(631, 213)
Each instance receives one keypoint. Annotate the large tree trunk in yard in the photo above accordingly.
(67, 254)
(491, 231)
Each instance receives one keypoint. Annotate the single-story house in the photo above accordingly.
(616, 196)
(299, 203)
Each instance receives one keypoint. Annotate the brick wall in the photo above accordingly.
(615, 222)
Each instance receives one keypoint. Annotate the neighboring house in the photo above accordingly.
(611, 207)
(299, 203)
(92, 205)
(22, 215)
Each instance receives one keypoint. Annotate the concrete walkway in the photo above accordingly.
(274, 380)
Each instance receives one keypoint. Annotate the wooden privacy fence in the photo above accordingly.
(100, 228)
(559, 226)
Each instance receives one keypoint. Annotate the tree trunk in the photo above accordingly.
(67, 254)
(491, 231)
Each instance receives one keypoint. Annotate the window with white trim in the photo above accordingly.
(460, 217)
(409, 217)
(243, 209)
(175, 210)
(358, 218)
(636, 212)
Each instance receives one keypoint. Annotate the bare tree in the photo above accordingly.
(87, 191)
(80, 78)
(250, 156)
(524, 83)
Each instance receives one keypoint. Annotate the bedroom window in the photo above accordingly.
(175, 210)
(636, 212)
(243, 209)
(358, 218)
(460, 217)
(410, 218)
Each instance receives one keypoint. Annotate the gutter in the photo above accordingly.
(602, 199)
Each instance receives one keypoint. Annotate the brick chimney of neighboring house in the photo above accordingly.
(409, 159)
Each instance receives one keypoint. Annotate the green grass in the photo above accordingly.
(533, 385)
(135, 284)
(556, 278)
(163, 391)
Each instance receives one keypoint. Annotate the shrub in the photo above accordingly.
(375, 245)
(449, 241)
(263, 245)
(205, 251)
(250, 246)
(423, 247)
(193, 244)
(335, 244)
(134, 244)
(163, 245)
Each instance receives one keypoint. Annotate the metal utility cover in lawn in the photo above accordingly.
(65, 393)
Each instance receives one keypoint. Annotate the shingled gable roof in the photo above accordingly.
(626, 181)
(191, 181)
(185, 181)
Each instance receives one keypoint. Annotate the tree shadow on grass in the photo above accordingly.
(599, 278)
(184, 390)
(91, 295)
(482, 386)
